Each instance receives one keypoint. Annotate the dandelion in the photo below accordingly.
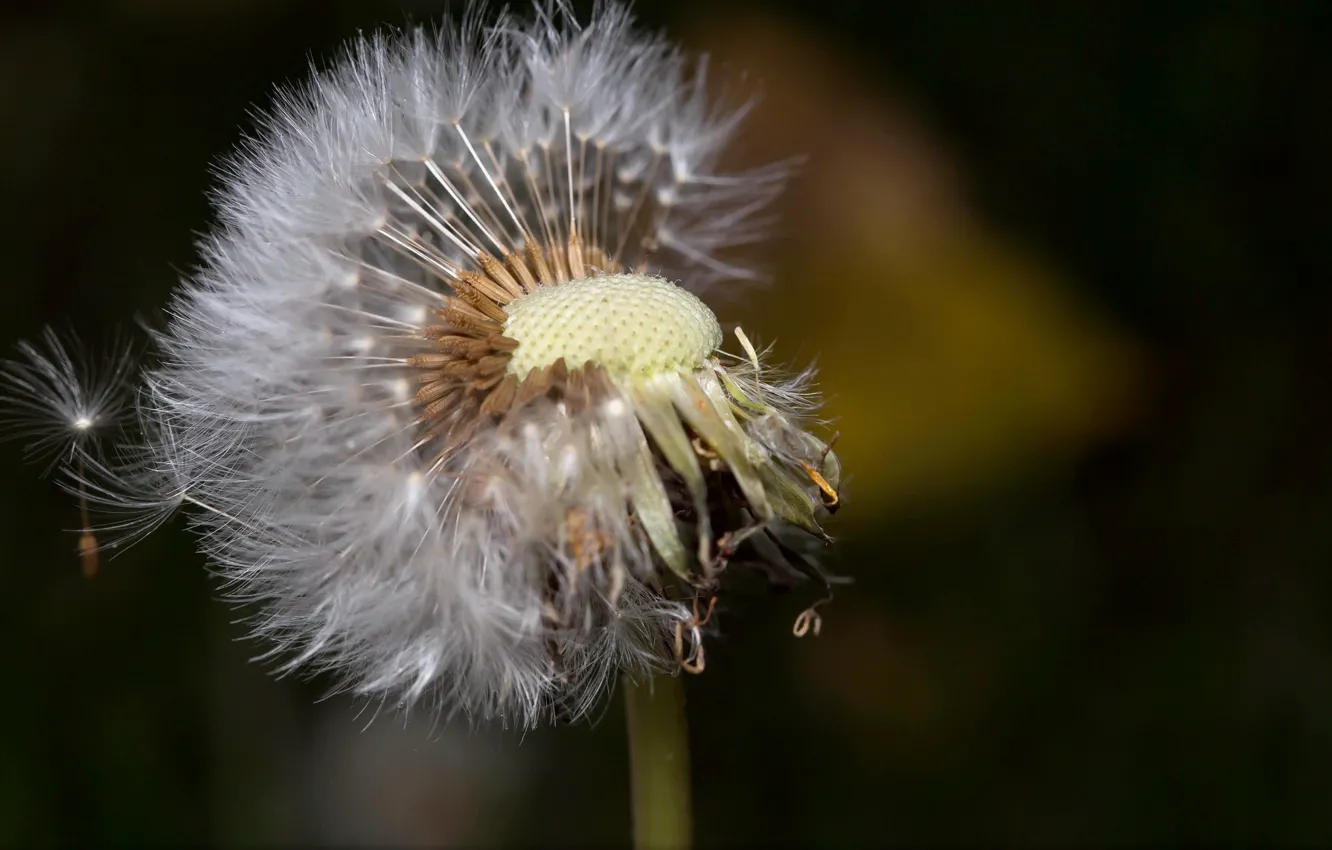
(444, 398)
(444, 395)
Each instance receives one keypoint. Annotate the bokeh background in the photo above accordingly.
(1063, 269)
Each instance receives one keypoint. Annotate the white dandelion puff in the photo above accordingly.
(444, 393)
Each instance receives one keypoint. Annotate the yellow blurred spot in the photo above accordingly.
(946, 366)
(948, 354)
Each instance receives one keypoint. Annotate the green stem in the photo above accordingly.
(659, 763)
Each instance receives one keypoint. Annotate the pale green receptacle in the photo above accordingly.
(629, 324)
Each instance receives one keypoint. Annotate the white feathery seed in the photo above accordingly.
(442, 396)
(58, 401)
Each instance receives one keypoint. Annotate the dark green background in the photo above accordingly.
(1161, 607)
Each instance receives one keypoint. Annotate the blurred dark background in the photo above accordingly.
(1062, 266)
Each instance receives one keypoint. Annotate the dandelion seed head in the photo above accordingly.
(439, 411)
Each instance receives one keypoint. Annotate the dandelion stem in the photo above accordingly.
(659, 763)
